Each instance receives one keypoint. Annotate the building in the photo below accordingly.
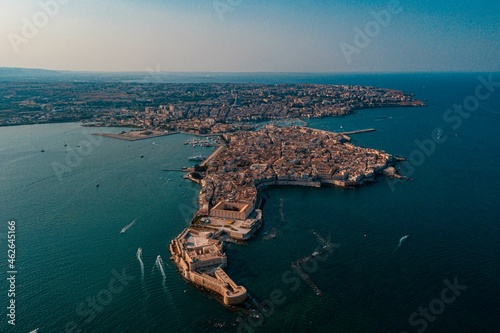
(232, 210)
(198, 256)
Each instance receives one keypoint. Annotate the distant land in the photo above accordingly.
(150, 74)
(43, 75)
(33, 96)
(155, 74)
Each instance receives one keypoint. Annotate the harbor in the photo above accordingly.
(205, 142)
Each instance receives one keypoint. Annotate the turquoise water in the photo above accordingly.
(69, 242)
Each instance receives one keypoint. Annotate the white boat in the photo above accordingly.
(34, 331)
(197, 158)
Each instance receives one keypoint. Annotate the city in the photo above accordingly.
(209, 108)
(232, 166)
(229, 205)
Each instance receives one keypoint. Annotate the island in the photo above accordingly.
(249, 161)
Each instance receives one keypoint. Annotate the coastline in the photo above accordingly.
(136, 135)
(211, 156)
(437, 210)
(226, 214)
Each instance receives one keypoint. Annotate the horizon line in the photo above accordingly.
(248, 72)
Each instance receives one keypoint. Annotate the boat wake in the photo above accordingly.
(139, 257)
(159, 265)
(128, 226)
(400, 242)
(282, 214)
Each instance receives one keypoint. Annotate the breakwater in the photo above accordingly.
(359, 131)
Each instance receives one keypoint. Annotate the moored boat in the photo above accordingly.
(197, 158)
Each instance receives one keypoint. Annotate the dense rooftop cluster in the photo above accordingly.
(197, 108)
(285, 154)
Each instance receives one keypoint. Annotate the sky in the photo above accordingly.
(251, 35)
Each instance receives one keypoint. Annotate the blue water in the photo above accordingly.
(69, 242)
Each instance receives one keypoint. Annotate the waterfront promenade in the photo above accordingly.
(211, 156)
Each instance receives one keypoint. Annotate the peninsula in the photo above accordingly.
(230, 181)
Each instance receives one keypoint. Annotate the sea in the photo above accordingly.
(76, 271)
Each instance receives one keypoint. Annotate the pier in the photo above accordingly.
(359, 131)
(366, 130)
(296, 265)
(305, 276)
(212, 156)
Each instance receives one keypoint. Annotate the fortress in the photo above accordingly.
(249, 162)
(199, 258)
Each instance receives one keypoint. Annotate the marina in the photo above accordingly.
(206, 142)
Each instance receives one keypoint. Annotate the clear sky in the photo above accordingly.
(251, 35)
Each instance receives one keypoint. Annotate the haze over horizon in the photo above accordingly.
(251, 36)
